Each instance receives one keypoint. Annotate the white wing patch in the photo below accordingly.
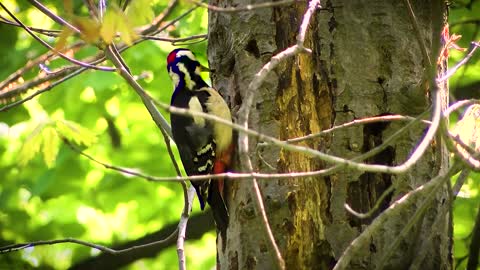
(217, 106)
(205, 149)
(194, 105)
(203, 168)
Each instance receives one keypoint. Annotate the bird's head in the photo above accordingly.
(184, 69)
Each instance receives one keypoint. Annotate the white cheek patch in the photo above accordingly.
(175, 78)
(194, 105)
(186, 53)
(188, 80)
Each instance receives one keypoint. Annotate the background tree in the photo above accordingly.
(365, 60)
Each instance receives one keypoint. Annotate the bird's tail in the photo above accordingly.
(219, 208)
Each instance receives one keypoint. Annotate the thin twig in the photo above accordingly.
(43, 90)
(251, 175)
(115, 57)
(244, 8)
(418, 34)
(172, 22)
(147, 101)
(53, 16)
(427, 191)
(374, 208)
(460, 181)
(174, 40)
(435, 184)
(459, 104)
(77, 62)
(356, 122)
(244, 113)
(452, 71)
(77, 70)
(33, 63)
(182, 228)
(20, 246)
(47, 32)
(280, 262)
(157, 21)
(425, 142)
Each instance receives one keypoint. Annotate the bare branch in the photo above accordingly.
(245, 8)
(45, 89)
(418, 34)
(77, 62)
(182, 228)
(172, 22)
(47, 32)
(147, 101)
(115, 57)
(459, 104)
(474, 46)
(369, 214)
(31, 64)
(251, 175)
(433, 187)
(423, 145)
(52, 15)
(260, 207)
(356, 122)
(427, 191)
(460, 181)
(20, 246)
(156, 22)
(197, 38)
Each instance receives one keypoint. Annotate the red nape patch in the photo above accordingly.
(171, 57)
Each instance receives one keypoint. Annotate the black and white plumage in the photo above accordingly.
(205, 146)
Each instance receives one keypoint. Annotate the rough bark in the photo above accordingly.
(366, 61)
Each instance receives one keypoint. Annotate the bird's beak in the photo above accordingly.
(204, 69)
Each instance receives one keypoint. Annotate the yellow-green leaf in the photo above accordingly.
(62, 38)
(31, 146)
(116, 22)
(89, 28)
(127, 33)
(50, 146)
(109, 26)
(75, 132)
(140, 12)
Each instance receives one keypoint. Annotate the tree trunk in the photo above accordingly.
(366, 61)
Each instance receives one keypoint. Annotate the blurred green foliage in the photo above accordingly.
(48, 191)
(464, 20)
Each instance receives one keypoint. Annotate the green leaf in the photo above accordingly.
(51, 144)
(140, 12)
(31, 146)
(88, 27)
(109, 27)
(75, 132)
(115, 21)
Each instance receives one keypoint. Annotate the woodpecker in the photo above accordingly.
(205, 146)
